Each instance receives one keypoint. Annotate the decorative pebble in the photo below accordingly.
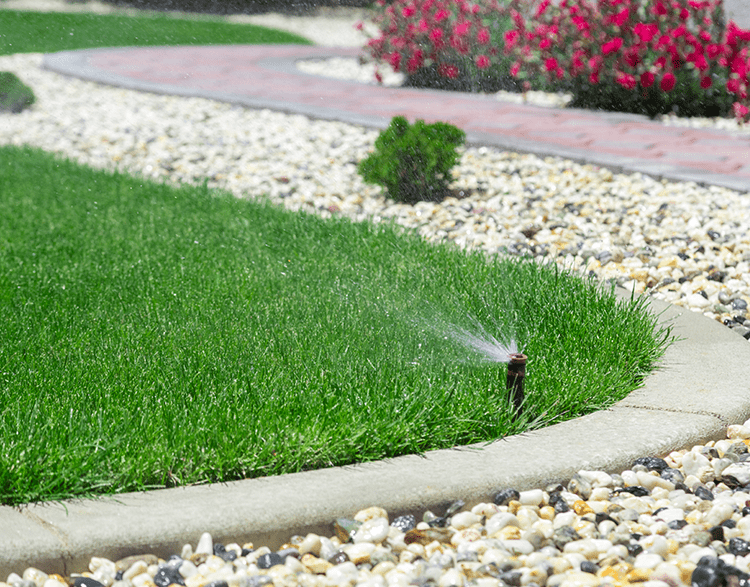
(271, 559)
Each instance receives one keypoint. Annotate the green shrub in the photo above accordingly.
(14, 95)
(686, 99)
(413, 162)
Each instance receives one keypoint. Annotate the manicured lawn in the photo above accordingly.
(30, 32)
(152, 336)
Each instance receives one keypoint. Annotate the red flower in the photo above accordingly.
(515, 68)
(408, 11)
(581, 23)
(483, 61)
(713, 50)
(449, 71)
(483, 36)
(511, 38)
(542, 8)
(436, 36)
(684, 14)
(441, 15)
(660, 9)
(739, 65)
(740, 111)
(395, 60)
(626, 80)
(461, 29)
(415, 61)
(646, 32)
(550, 64)
(706, 82)
(647, 79)
(632, 57)
(545, 44)
(679, 31)
(611, 46)
(578, 61)
(620, 18)
(733, 85)
(667, 82)
(460, 45)
(700, 63)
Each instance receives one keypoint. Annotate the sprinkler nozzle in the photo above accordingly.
(514, 382)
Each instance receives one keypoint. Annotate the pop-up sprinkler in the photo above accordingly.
(491, 350)
(514, 382)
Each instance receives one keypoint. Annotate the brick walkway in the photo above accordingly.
(264, 76)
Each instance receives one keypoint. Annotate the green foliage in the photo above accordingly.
(14, 95)
(413, 162)
(686, 99)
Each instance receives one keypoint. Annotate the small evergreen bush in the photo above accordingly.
(413, 162)
(14, 95)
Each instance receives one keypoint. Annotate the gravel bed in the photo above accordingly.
(665, 522)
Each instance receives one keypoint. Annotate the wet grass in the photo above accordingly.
(31, 32)
(153, 336)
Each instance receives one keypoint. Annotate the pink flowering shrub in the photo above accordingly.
(637, 56)
(448, 44)
(647, 56)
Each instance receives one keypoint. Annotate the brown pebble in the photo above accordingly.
(316, 565)
(199, 558)
(345, 529)
(424, 537)
(581, 507)
(514, 506)
(124, 564)
(638, 575)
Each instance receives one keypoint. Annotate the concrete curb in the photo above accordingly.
(700, 388)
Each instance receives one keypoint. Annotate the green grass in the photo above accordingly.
(31, 32)
(154, 336)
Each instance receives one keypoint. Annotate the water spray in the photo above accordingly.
(514, 381)
(491, 350)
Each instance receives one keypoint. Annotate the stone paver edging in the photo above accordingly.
(264, 76)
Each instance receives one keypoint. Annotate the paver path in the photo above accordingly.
(264, 76)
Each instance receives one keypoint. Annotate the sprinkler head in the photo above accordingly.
(514, 381)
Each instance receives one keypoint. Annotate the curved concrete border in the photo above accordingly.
(702, 385)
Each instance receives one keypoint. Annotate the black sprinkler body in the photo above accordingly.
(514, 382)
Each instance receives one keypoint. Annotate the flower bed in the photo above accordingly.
(629, 55)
